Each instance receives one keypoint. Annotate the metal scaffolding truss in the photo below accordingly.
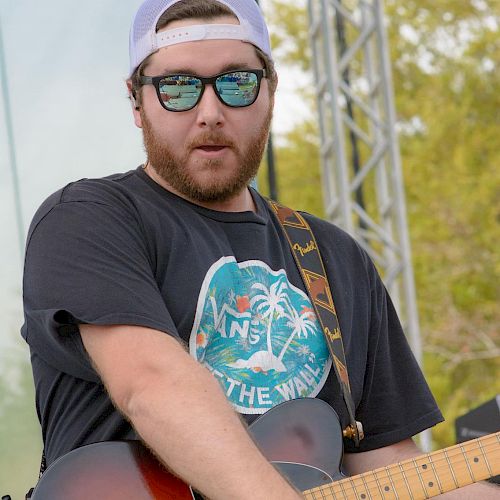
(362, 179)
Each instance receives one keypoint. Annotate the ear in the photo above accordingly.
(135, 107)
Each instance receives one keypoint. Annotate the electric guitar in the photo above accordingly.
(303, 438)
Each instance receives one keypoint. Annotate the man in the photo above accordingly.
(123, 273)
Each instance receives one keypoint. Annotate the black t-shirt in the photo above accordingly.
(122, 250)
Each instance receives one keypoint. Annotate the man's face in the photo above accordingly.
(209, 153)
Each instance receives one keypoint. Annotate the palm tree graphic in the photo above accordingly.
(269, 304)
(301, 325)
(271, 300)
(273, 303)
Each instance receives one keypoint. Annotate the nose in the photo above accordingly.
(210, 111)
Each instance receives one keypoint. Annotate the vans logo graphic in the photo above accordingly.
(259, 335)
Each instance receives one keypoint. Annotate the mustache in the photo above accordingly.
(211, 139)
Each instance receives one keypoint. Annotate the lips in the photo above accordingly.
(210, 148)
(212, 143)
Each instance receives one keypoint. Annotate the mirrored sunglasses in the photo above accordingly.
(236, 89)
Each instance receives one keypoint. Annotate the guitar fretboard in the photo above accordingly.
(423, 477)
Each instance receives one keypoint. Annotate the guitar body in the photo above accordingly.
(303, 437)
(303, 431)
(109, 470)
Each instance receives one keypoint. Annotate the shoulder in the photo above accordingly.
(327, 230)
(335, 242)
(100, 190)
(340, 252)
(347, 264)
(87, 200)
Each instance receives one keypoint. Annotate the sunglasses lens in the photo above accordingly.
(180, 93)
(238, 89)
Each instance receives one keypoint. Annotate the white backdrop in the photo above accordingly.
(66, 65)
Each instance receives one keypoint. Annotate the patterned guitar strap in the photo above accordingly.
(308, 259)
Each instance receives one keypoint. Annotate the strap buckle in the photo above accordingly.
(356, 433)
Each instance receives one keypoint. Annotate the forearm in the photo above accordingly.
(357, 463)
(196, 433)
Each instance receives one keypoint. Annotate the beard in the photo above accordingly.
(173, 168)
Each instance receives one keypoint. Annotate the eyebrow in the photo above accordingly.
(185, 70)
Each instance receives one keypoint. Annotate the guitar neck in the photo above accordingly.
(423, 477)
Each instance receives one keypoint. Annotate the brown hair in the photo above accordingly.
(198, 9)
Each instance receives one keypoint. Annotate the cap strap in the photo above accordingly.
(202, 32)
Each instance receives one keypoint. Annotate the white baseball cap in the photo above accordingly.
(144, 40)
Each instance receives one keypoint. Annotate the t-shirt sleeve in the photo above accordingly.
(396, 402)
(87, 262)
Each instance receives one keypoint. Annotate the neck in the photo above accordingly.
(241, 202)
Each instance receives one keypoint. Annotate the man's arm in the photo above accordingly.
(181, 413)
(357, 463)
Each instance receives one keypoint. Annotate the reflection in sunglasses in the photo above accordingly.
(182, 92)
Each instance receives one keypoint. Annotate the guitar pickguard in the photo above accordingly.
(305, 431)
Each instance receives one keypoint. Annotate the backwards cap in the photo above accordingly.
(144, 40)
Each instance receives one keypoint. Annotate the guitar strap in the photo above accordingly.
(305, 251)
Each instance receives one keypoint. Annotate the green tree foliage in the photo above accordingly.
(445, 57)
(298, 170)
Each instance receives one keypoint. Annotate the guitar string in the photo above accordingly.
(417, 468)
(322, 497)
(482, 450)
(389, 475)
(377, 482)
(429, 458)
(333, 489)
(333, 494)
(414, 471)
(439, 464)
(410, 474)
(447, 458)
(468, 465)
(407, 484)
